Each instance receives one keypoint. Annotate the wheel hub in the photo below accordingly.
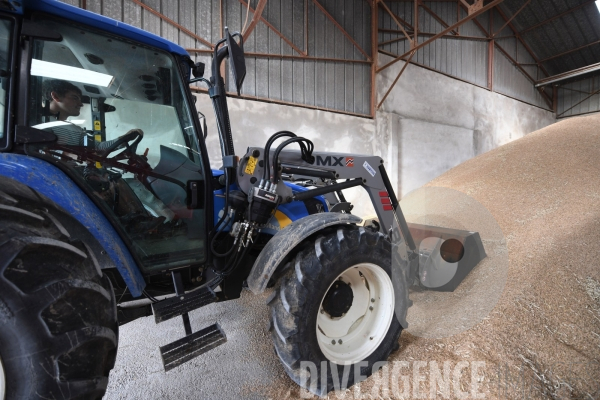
(338, 299)
(355, 313)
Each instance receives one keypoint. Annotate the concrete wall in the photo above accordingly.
(442, 122)
(428, 124)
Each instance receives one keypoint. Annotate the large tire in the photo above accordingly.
(308, 312)
(58, 316)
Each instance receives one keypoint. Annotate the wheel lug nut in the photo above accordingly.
(340, 341)
(372, 300)
(371, 338)
(371, 308)
(333, 342)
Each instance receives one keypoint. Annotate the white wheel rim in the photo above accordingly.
(356, 334)
(2, 382)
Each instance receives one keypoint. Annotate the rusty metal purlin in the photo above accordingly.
(516, 64)
(175, 24)
(443, 32)
(398, 77)
(491, 46)
(271, 27)
(337, 24)
(436, 17)
(385, 7)
(569, 11)
(287, 57)
(569, 51)
(511, 18)
(569, 74)
(286, 103)
(569, 109)
(374, 38)
(257, 16)
(457, 37)
(520, 39)
(408, 26)
(416, 23)
(306, 27)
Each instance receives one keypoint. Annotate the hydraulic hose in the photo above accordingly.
(305, 150)
(272, 139)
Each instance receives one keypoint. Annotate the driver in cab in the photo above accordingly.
(62, 100)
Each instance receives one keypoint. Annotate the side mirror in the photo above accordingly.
(198, 70)
(237, 59)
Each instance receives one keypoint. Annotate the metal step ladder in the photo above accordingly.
(193, 344)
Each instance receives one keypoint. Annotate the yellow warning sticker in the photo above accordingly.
(97, 126)
(251, 165)
(282, 219)
(98, 138)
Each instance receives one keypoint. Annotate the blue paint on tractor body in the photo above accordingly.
(51, 182)
(91, 19)
(294, 210)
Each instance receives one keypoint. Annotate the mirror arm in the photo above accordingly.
(208, 83)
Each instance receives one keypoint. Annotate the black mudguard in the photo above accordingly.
(286, 240)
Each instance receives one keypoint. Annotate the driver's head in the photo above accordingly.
(64, 98)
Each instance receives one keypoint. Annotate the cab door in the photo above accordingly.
(125, 133)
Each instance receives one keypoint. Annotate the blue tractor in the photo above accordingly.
(107, 195)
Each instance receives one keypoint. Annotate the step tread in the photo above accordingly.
(179, 305)
(191, 346)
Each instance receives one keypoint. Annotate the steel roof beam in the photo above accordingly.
(562, 14)
(511, 18)
(520, 39)
(257, 15)
(175, 24)
(341, 29)
(568, 74)
(436, 17)
(442, 33)
(285, 39)
(397, 21)
(569, 51)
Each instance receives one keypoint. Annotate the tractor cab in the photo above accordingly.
(115, 115)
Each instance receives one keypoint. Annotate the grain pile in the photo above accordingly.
(542, 338)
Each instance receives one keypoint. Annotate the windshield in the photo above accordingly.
(5, 39)
(122, 124)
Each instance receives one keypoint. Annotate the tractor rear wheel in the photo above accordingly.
(334, 308)
(58, 319)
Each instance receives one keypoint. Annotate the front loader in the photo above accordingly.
(112, 198)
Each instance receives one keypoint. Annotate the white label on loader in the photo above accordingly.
(369, 169)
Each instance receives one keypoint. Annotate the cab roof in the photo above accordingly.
(57, 8)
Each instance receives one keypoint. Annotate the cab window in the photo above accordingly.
(122, 124)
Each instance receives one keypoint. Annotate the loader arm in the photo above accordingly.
(427, 264)
(356, 169)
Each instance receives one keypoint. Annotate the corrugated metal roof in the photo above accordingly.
(566, 33)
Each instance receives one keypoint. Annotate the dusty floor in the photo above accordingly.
(536, 336)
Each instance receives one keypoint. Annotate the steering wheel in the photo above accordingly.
(134, 134)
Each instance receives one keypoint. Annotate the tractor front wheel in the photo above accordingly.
(334, 308)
